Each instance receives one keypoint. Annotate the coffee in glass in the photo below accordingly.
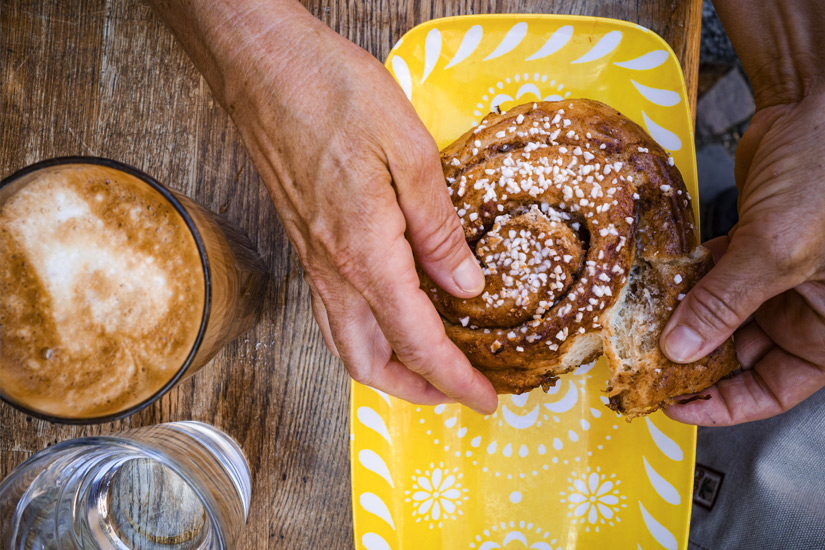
(112, 288)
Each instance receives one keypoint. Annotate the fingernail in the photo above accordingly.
(468, 276)
(682, 343)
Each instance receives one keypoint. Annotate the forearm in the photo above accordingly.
(781, 44)
(242, 47)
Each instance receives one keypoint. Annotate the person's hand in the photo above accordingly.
(769, 282)
(357, 182)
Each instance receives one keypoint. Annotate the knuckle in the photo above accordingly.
(340, 249)
(422, 151)
(360, 373)
(789, 253)
(444, 241)
(711, 310)
(416, 358)
(349, 263)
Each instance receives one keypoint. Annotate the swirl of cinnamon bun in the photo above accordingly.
(584, 230)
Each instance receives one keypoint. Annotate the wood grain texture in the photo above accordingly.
(106, 78)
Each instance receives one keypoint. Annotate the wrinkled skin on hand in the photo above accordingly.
(769, 281)
(357, 181)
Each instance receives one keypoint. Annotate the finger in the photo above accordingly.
(720, 302)
(415, 331)
(752, 344)
(794, 320)
(367, 355)
(319, 311)
(433, 228)
(777, 383)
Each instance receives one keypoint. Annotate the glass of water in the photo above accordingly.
(174, 486)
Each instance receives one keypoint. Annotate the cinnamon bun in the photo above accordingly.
(584, 230)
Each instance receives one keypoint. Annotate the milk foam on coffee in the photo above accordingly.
(101, 292)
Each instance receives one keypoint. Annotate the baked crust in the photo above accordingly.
(585, 232)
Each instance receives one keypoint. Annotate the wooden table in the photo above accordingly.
(106, 78)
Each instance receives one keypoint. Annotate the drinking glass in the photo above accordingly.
(174, 486)
(233, 271)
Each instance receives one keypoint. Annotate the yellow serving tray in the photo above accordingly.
(549, 470)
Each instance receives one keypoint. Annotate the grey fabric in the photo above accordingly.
(773, 492)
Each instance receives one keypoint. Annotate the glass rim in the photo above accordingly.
(147, 448)
(169, 196)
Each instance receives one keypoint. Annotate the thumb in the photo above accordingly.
(433, 228)
(721, 301)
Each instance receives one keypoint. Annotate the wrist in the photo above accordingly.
(779, 44)
(784, 81)
(243, 48)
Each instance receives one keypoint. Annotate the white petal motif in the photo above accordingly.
(451, 494)
(373, 421)
(580, 486)
(447, 483)
(436, 510)
(593, 515)
(432, 51)
(593, 483)
(520, 422)
(448, 506)
(425, 506)
(437, 475)
(605, 511)
(383, 395)
(565, 403)
(519, 400)
(528, 88)
(498, 100)
(374, 505)
(372, 541)
(607, 44)
(657, 96)
(581, 509)
(468, 45)
(576, 497)
(669, 447)
(402, 75)
(370, 460)
(663, 136)
(584, 369)
(514, 535)
(555, 387)
(648, 61)
(667, 491)
(424, 483)
(512, 39)
(606, 486)
(556, 42)
(421, 495)
(659, 532)
(609, 499)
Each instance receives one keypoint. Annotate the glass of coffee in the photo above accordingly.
(113, 288)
